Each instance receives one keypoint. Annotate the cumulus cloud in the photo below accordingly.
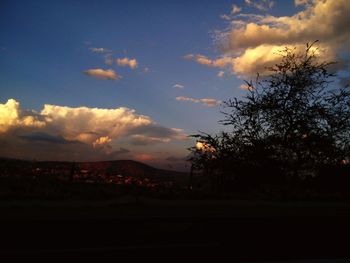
(132, 63)
(103, 74)
(178, 86)
(12, 116)
(262, 5)
(206, 101)
(96, 127)
(253, 40)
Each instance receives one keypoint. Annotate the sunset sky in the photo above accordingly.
(100, 80)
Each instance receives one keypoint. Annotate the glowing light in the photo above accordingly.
(204, 147)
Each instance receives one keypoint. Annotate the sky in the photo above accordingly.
(102, 80)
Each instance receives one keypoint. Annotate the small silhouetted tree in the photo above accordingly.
(290, 123)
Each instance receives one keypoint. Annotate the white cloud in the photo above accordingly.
(221, 74)
(89, 124)
(132, 63)
(302, 2)
(262, 5)
(108, 59)
(99, 50)
(178, 86)
(205, 101)
(235, 9)
(103, 74)
(225, 17)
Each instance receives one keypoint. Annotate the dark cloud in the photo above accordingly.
(44, 137)
(121, 151)
(155, 131)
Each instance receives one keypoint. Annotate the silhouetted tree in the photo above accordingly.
(290, 123)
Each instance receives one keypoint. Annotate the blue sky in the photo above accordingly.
(46, 46)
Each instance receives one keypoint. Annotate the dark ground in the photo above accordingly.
(218, 231)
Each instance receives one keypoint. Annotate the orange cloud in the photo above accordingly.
(132, 63)
(103, 74)
(104, 140)
(252, 43)
(144, 157)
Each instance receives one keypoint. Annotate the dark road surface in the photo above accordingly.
(177, 238)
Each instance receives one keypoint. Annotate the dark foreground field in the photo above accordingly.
(122, 230)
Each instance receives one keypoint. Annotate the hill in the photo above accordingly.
(104, 179)
(109, 168)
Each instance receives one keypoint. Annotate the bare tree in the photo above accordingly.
(293, 121)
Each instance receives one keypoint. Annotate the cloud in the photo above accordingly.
(108, 59)
(262, 5)
(206, 101)
(103, 74)
(203, 60)
(92, 125)
(132, 63)
(178, 86)
(99, 50)
(46, 138)
(220, 62)
(144, 157)
(120, 151)
(245, 87)
(302, 2)
(11, 116)
(155, 134)
(97, 128)
(145, 70)
(252, 42)
(235, 9)
(221, 74)
(225, 17)
(101, 141)
(139, 139)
